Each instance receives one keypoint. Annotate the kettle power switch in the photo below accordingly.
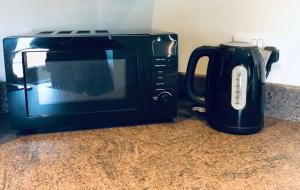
(239, 87)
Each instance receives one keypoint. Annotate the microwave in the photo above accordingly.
(90, 78)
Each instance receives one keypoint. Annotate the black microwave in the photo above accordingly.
(83, 78)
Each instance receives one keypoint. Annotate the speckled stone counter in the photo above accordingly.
(186, 154)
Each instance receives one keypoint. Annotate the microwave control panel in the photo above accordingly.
(164, 74)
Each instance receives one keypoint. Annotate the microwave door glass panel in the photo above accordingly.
(72, 82)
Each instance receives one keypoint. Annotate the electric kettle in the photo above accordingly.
(235, 85)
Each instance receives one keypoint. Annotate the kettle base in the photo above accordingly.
(234, 129)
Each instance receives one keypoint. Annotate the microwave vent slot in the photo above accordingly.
(83, 32)
(45, 32)
(64, 32)
(101, 31)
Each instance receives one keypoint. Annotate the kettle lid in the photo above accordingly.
(239, 45)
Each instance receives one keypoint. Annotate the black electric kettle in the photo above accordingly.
(235, 85)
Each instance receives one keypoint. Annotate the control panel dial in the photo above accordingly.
(165, 98)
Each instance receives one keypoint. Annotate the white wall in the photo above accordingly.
(125, 14)
(211, 22)
(198, 22)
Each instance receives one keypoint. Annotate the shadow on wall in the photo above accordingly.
(19, 17)
(129, 14)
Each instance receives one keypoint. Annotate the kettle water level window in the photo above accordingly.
(239, 87)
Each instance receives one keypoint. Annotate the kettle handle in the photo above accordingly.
(274, 57)
(208, 51)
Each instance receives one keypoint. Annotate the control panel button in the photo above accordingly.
(160, 66)
(161, 59)
(160, 84)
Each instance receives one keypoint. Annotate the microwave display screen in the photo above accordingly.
(61, 82)
(164, 48)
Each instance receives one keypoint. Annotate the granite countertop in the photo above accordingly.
(185, 154)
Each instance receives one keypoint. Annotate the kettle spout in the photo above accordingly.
(270, 55)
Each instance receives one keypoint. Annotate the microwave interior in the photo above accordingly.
(72, 82)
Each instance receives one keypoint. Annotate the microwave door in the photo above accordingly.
(73, 82)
